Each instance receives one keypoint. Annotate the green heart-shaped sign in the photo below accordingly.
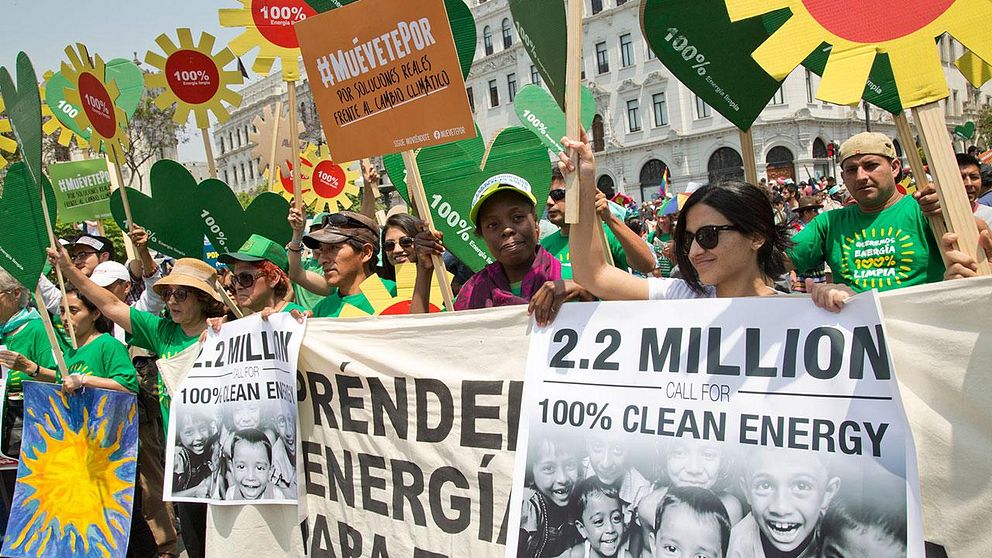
(227, 225)
(539, 112)
(24, 237)
(696, 41)
(23, 103)
(459, 17)
(130, 82)
(171, 216)
(965, 132)
(452, 173)
(543, 32)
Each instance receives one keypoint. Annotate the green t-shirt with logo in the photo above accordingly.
(30, 340)
(163, 337)
(890, 249)
(104, 357)
(333, 303)
(557, 244)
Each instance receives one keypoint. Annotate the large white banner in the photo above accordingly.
(232, 433)
(714, 428)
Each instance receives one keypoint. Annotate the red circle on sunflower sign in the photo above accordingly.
(875, 21)
(403, 308)
(192, 76)
(328, 179)
(274, 19)
(97, 104)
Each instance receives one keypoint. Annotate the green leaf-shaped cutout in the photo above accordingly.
(539, 112)
(24, 237)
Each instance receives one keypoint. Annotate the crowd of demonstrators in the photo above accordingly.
(971, 176)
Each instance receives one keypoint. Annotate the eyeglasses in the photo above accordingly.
(80, 256)
(405, 242)
(180, 294)
(557, 194)
(708, 237)
(245, 279)
(340, 220)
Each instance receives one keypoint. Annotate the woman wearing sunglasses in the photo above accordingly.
(259, 276)
(398, 244)
(726, 245)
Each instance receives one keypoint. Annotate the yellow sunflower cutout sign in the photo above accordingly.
(52, 126)
(269, 27)
(193, 78)
(97, 96)
(385, 304)
(860, 30)
(323, 183)
(7, 144)
(270, 135)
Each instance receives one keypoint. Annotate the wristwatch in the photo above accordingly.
(298, 248)
(37, 369)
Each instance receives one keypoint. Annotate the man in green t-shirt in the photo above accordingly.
(661, 239)
(346, 247)
(628, 249)
(883, 241)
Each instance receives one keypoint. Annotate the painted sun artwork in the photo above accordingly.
(52, 126)
(904, 29)
(385, 304)
(75, 482)
(7, 143)
(268, 26)
(97, 97)
(193, 79)
(322, 181)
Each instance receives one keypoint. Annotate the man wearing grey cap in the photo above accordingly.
(884, 240)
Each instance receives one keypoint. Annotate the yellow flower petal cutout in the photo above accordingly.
(269, 27)
(100, 113)
(52, 125)
(859, 30)
(271, 128)
(193, 79)
(977, 72)
(322, 181)
(385, 304)
(7, 144)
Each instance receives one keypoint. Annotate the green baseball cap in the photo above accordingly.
(258, 248)
(499, 183)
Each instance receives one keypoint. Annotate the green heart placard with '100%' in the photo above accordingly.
(227, 225)
(542, 28)
(539, 112)
(171, 215)
(452, 173)
(965, 132)
(24, 237)
(130, 82)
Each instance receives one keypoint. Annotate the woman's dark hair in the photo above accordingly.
(103, 324)
(211, 307)
(746, 207)
(408, 224)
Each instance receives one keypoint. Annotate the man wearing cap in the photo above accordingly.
(87, 251)
(985, 196)
(346, 246)
(883, 241)
(621, 239)
(971, 177)
(260, 277)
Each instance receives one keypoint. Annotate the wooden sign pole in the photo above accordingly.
(208, 148)
(958, 216)
(573, 100)
(747, 153)
(275, 145)
(905, 133)
(380, 215)
(116, 182)
(58, 274)
(52, 340)
(294, 137)
(416, 187)
(229, 302)
(120, 184)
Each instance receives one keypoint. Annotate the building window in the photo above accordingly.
(809, 87)
(598, 134)
(535, 76)
(633, 116)
(471, 98)
(221, 144)
(779, 97)
(626, 51)
(507, 34)
(652, 176)
(725, 165)
(954, 104)
(230, 139)
(511, 86)
(597, 6)
(602, 58)
(251, 171)
(621, 2)
(651, 54)
(226, 181)
(487, 40)
(820, 149)
(702, 109)
(660, 105)
(493, 94)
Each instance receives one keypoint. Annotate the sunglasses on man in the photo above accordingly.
(707, 237)
(557, 194)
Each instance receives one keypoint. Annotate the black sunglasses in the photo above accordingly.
(246, 279)
(180, 294)
(557, 194)
(339, 220)
(405, 242)
(708, 237)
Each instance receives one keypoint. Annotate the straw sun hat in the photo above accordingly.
(189, 272)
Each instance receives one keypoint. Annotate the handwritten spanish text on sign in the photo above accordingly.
(392, 84)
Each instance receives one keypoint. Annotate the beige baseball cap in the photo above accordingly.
(867, 143)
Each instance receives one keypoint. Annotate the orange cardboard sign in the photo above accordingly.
(391, 82)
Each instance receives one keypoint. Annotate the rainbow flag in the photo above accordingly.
(663, 187)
